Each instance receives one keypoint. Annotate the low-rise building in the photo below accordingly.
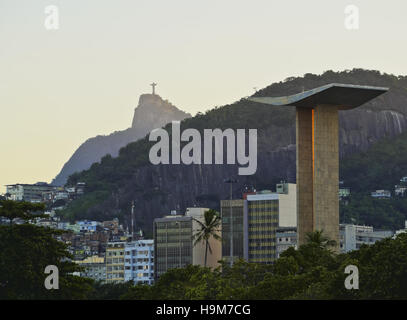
(381, 194)
(75, 228)
(86, 225)
(285, 238)
(28, 192)
(344, 193)
(94, 268)
(401, 230)
(400, 190)
(353, 236)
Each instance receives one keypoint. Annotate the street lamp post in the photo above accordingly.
(179, 242)
(231, 181)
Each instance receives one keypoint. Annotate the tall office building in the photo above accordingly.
(115, 261)
(139, 261)
(260, 224)
(174, 244)
(237, 208)
(255, 222)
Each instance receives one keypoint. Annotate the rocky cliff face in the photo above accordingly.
(152, 112)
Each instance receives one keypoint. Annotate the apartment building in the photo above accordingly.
(115, 253)
(139, 261)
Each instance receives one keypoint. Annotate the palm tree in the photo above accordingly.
(319, 239)
(207, 229)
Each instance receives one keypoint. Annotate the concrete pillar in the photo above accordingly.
(326, 171)
(317, 172)
(304, 173)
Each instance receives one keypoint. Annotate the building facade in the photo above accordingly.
(115, 261)
(287, 205)
(94, 268)
(236, 207)
(381, 194)
(174, 242)
(139, 261)
(89, 226)
(260, 225)
(353, 236)
(285, 238)
(256, 218)
(28, 192)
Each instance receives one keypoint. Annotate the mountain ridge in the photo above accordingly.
(151, 112)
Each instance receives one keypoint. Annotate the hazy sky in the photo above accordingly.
(61, 87)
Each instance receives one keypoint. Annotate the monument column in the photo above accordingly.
(326, 171)
(318, 152)
(304, 158)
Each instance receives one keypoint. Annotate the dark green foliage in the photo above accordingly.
(381, 167)
(25, 251)
(109, 291)
(311, 272)
(22, 210)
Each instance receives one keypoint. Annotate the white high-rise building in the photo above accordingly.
(139, 261)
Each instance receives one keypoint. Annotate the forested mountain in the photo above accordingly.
(157, 189)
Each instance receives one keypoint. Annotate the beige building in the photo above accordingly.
(287, 205)
(198, 251)
(115, 261)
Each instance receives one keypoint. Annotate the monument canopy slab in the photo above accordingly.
(345, 96)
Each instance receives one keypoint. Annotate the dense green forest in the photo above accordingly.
(381, 167)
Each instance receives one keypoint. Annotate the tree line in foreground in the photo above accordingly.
(312, 271)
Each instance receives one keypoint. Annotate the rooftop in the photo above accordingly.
(346, 96)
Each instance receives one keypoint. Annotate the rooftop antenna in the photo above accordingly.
(132, 219)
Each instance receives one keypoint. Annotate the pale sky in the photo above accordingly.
(61, 87)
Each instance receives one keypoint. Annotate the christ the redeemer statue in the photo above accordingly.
(153, 85)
